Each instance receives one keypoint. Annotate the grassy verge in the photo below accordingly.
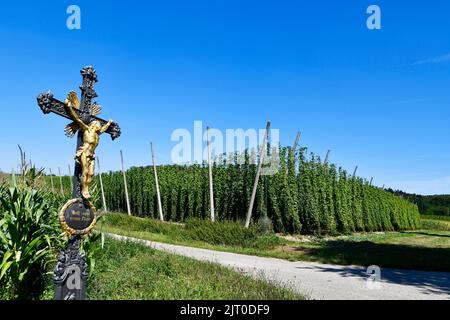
(127, 270)
(422, 250)
(441, 223)
(433, 217)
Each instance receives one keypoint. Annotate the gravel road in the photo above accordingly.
(322, 281)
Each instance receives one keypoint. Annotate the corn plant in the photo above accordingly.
(29, 235)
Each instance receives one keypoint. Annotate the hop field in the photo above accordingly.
(304, 196)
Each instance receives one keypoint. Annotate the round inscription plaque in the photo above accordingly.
(77, 217)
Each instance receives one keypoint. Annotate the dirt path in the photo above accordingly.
(321, 281)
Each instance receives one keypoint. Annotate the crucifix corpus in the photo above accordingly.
(78, 215)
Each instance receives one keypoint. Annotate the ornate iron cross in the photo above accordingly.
(77, 216)
(49, 104)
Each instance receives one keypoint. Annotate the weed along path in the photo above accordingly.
(321, 281)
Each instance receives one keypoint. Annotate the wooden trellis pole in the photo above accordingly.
(70, 177)
(258, 172)
(51, 180)
(294, 147)
(211, 188)
(297, 139)
(354, 172)
(325, 162)
(60, 182)
(125, 183)
(101, 185)
(158, 195)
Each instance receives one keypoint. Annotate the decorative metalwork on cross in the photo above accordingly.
(84, 116)
(77, 216)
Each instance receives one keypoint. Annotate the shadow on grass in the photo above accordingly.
(367, 253)
(395, 259)
(429, 234)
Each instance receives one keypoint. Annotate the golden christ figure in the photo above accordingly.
(85, 155)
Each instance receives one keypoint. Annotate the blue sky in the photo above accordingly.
(379, 99)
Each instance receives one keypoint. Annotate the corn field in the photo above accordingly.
(303, 196)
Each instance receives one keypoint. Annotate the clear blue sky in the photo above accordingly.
(379, 99)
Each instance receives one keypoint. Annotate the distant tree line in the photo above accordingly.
(429, 205)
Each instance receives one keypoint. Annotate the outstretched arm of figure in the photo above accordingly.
(106, 126)
(75, 118)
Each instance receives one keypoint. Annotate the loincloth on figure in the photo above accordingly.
(83, 150)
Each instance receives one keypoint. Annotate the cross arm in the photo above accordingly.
(113, 129)
(48, 104)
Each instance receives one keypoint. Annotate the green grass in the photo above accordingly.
(423, 249)
(126, 270)
(432, 217)
(193, 232)
(441, 223)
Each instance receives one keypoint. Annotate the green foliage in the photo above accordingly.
(421, 249)
(29, 235)
(438, 205)
(222, 233)
(227, 233)
(431, 217)
(265, 225)
(303, 196)
(415, 250)
(175, 231)
(435, 224)
(128, 270)
(29, 174)
(90, 246)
